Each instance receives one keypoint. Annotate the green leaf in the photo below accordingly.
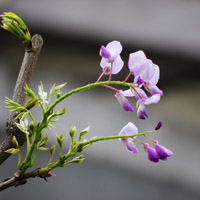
(60, 139)
(43, 141)
(16, 26)
(12, 16)
(42, 148)
(12, 106)
(22, 128)
(22, 115)
(83, 132)
(29, 92)
(15, 143)
(12, 151)
(52, 151)
(54, 89)
(61, 112)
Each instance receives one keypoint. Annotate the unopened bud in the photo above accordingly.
(158, 126)
(72, 131)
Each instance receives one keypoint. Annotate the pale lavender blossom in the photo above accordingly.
(151, 153)
(145, 71)
(129, 129)
(111, 60)
(136, 59)
(162, 152)
(151, 84)
(142, 100)
(125, 104)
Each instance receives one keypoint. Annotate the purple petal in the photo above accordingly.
(117, 65)
(104, 52)
(152, 155)
(155, 90)
(130, 147)
(104, 64)
(129, 129)
(139, 93)
(128, 93)
(114, 48)
(162, 151)
(138, 80)
(156, 76)
(135, 59)
(154, 99)
(158, 126)
(145, 70)
(125, 104)
(141, 112)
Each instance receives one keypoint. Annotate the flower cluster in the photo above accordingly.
(155, 154)
(146, 75)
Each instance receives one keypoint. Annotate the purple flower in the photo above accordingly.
(129, 129)
(145, 71)
(125, 104)
(142, 100)
(151, 84)
(162, 152)
(151, 153)
(136, 59)
(111, 57)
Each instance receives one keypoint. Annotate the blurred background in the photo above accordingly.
(73, 31)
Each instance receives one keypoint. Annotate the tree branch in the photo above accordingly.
(28, 65)
(17, 180)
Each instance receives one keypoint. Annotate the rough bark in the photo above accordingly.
(28, 65)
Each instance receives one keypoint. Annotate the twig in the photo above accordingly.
(17, 180)
(30, 58)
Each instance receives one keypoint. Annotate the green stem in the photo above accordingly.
(72, 153)
(87, 87)
(114, 137)
(27, 161)
(19, 159)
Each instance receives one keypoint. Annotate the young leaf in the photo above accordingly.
(15, 143)
(83, 132)
(29, 92)
(43, 141)
(12, 106)
(16, 26)
(54, 89)
(12, 151)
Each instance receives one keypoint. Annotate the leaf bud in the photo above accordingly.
(72, 131)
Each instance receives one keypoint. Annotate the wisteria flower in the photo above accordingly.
(151, 153)
(125, 104)
(151, 84)
(136, 59)
(111, 61)
(162, 152)
(142, 100)
(145, 71)
(129, 129)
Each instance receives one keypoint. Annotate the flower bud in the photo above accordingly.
(152, 155)
(158, 126)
